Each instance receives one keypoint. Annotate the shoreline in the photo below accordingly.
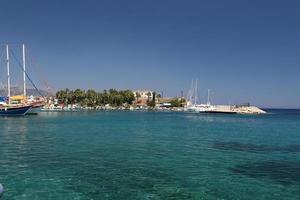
(225, 109)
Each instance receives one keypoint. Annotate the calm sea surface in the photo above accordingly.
(150, 155)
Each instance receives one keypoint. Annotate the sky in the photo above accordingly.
(242, 50)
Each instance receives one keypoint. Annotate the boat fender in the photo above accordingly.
(1, 190)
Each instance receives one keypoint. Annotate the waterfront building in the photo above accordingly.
(143, 94)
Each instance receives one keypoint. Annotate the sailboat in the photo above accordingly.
(6, 107)
(192, 103)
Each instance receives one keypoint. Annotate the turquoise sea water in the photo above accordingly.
(150, 155)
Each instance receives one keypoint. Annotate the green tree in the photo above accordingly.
(148, 95)
(175, 103)
(138, 95)
(62, 96)
(78, 96)
(178, 102)
(152, 102)
(91, 95)
(93, 98)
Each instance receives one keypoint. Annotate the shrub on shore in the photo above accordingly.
(92, 98)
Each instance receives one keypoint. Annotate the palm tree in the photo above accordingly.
(137, 96)
(78, 95)
(149, 95)
(92, 97)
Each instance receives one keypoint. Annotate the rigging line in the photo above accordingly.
(39, 71)
(1, 54)
(41, 76)
(20, 65)
(48, 88)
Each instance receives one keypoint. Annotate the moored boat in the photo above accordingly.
(192, 100)
(14, 110)
(36, 106)
(14, 105)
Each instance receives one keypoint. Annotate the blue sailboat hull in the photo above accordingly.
(12, 111)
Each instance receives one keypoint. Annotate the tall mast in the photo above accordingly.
(208, 97)
(24, 71)
(8, 74)
(190, 93)
(196, 91)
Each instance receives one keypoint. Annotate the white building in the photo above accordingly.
(143, 94)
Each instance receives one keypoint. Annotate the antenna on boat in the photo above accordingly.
(8, 73)
(24, 71)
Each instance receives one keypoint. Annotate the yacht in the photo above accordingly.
(7, 108)
(192, 100)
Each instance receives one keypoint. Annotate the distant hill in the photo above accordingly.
(30, 91)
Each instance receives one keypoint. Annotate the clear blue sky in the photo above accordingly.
(243, 50)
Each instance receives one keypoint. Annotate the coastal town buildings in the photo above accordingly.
(142, 97)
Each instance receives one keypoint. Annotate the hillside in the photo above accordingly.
(30, 91)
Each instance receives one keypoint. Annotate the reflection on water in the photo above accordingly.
(15, 124)
(15, 129)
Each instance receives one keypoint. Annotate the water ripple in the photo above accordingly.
(286, 173)
(248, 147)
